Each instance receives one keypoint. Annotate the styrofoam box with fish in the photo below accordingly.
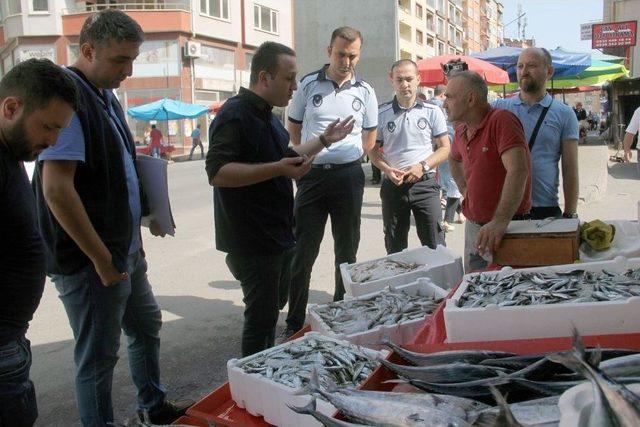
(441, 265)
(261, 396)
(494, 323)
(576, 404)
(399, 333)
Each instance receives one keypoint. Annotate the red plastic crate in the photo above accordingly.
(185, 420)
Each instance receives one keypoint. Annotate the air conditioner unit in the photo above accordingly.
(192, 50)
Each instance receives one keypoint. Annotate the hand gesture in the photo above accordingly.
(490, 237)
(108, 274)
(155, 229)
(395, 175)
(338, 130)
(295, 167)
(413, 174)
(628, 155)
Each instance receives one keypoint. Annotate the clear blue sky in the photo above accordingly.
(553, 23)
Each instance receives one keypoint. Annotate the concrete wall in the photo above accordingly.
(315, 20)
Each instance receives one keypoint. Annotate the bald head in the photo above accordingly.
(533, 70)
(465, 96)
(542, 53)
(472, 82)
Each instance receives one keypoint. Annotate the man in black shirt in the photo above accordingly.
(250, 166)
(37, 99)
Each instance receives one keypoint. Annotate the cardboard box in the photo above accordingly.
(399, 333)
(534, 243)
(440, 265)
(493, 323)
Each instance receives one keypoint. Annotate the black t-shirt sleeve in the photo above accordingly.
(225, 146)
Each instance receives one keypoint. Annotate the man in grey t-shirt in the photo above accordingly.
(416, 141)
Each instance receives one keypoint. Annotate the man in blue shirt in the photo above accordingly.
(551, 129)
(196, 142)
(90, 205)
(335, 185)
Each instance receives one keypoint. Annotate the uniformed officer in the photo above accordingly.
(335, 185)
(416, 141)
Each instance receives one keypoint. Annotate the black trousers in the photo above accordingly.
(453, 207)
(324, 193)
(265, 283)
(376, 174)
(196, 143)
(542, 212)
(421, 198)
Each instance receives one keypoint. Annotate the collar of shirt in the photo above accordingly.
(482, 124)
(99, 93)
(263, 107)
(544, 102)
(397, 108)
(355, 79)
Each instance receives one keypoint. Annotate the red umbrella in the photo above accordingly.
(215, 107)
(431, 73)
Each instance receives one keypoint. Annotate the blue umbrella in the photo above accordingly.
(167, 109)
(565, 64)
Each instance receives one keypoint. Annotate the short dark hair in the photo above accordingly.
(350, 34)
(36, 82)
(439, 90)
(266, 59)
(474, 83)
(110, 24)
(402, 62)
(153, 126)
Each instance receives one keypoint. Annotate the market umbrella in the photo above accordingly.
(431, 73)
(167, 109)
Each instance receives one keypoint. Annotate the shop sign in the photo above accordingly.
(614, 34)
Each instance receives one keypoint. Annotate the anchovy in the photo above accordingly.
(380, 269)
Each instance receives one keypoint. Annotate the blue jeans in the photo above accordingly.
(17, 396)
(97, 314)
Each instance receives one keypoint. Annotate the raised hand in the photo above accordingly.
(338, 130)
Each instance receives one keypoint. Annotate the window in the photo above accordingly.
(265, 19)
(452, 33)
(418, 11)
(418, 36)
(429, 41)
(452, 11)
(430, 22)
(440, 48)
(14, 7)
(39, 5)
(215, 8)
(248, 58)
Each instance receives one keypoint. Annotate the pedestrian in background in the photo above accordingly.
(156, 141)
(196, 142)
(37, 99)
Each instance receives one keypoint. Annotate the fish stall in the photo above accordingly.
(417, 343)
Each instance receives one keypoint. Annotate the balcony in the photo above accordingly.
(158, 16)
(405, 32)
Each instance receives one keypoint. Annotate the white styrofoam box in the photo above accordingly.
(441, 265)
(576, 404)
(261, 396)
(493, 323)
(399, 333)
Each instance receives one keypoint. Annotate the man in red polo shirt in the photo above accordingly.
(491, 164)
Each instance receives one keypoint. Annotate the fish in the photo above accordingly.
(504, 416)
(310, 409)
(391, 414)
(536, 412)
(469, 389)
(443, 357)
(380, 269)
(614, 404)
(522, 361)
(450, 373)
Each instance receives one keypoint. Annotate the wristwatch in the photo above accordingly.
(425, 167)
(570, 215)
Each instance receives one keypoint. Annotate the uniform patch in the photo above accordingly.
(391, 126)
(317, 100)
(356, 105)
(422, 123)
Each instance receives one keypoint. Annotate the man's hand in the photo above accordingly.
(338, 130)
(295, 167)
(414, 173)
(395, 175)
(628, 155)
(108, 274)
(155, 229)
(490, 237)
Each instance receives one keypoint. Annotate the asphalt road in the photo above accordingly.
(202, 303)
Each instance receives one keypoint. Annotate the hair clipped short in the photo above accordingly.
(266, 59)
(110, 25)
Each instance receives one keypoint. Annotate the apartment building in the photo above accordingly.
(195, 50)
(392, 30)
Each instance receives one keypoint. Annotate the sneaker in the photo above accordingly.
(448, 227)
(167, 413)
(285, 335)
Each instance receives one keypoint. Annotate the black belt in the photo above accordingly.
(334, 166)
(424, 177)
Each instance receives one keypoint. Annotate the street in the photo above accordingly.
(202, 303)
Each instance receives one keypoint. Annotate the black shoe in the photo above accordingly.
(168, 412)
(375, 181)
